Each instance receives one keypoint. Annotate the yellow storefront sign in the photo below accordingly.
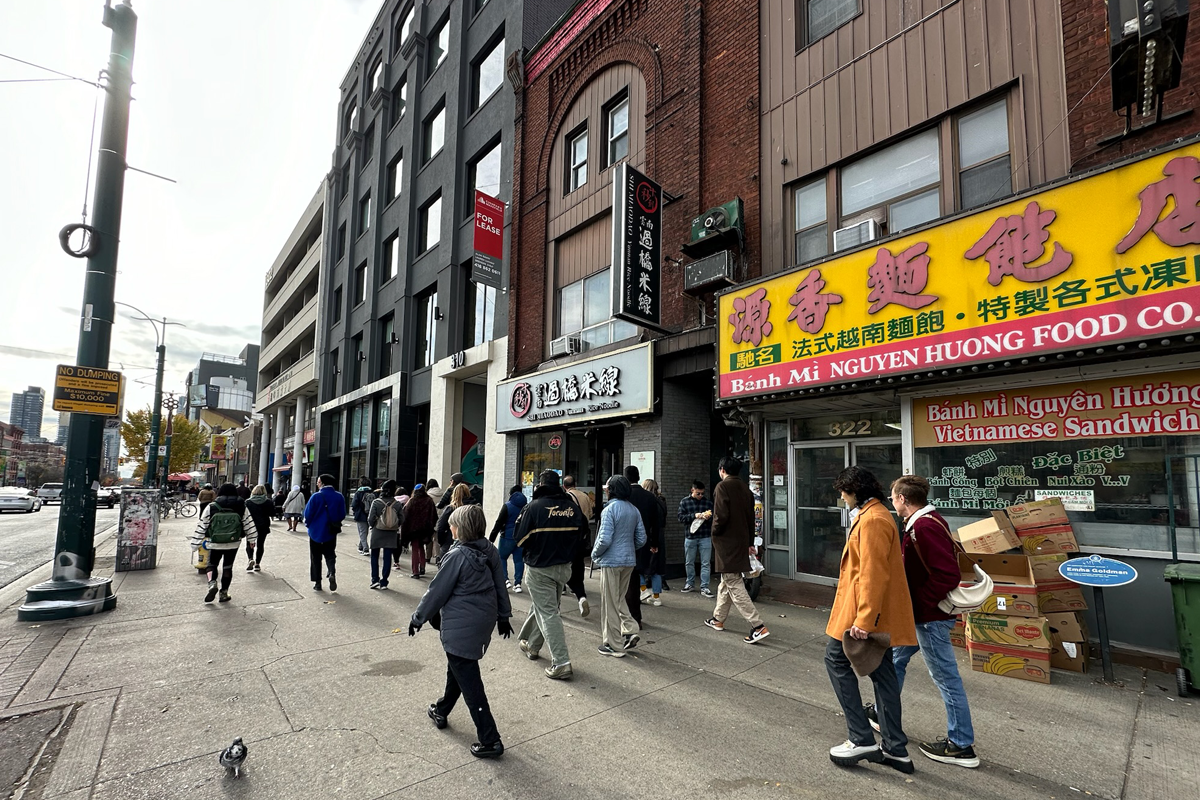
(1108, 258)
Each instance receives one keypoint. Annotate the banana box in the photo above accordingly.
(1038, 514)
(1045, 566)
(993, 534)
(1012, 631)
(1023, 663)
(958, 635)
(1015, 591)
(1059, 596)
(1051, 539)
(1069, 648)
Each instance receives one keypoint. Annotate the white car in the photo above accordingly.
(50, 492)
(17, 498)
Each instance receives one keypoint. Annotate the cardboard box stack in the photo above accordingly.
(1030, 622)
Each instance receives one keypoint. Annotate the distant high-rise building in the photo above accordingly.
(27, 411)
(64, 425)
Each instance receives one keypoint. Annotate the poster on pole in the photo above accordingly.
(489, 240)
(637, 248)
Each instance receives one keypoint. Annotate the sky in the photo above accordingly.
(236, 100)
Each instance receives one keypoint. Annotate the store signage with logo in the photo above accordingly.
(617, 384)
(489, 240)
(1166, 404)
(88, 390)
(555, 442)
(310, 435)
(1108, 258)
(217, 448)
(637, 248)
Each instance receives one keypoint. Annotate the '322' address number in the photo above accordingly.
(854, 427)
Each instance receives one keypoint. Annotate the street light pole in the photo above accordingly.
(148, 478)
(170, 404)
(72, 591)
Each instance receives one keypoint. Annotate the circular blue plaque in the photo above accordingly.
(1097, 571)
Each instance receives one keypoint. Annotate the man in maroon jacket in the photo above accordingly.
(931, 565)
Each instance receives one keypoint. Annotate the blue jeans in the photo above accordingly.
(934, 639)
(654, 582)
(691, 549)
(508, 547)
(378, 575)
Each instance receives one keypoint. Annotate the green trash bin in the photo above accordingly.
(1185, 591)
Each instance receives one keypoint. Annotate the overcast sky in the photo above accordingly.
(234, 99)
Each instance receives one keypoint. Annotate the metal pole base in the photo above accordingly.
(67, 599)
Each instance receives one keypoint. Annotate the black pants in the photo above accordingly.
(633, 599)
(575, 584)
(463, 679)
(887, 699)
(317, 551)
(262, 541)
(221, 561)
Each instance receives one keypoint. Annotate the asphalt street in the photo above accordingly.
(27, 540)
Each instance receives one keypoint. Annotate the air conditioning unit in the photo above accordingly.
(566, 346)
(854, 235)
(725, 217)
(709, 273)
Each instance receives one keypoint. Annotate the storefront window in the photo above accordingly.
(360, 422)
(778, 561)
(848, 426)
(383, 435)
(540, 451)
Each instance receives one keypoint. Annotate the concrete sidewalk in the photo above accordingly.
(330, 693)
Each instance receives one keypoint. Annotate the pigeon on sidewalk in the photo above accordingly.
(234, 756)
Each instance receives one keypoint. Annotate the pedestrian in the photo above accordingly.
(505, 528)
(420, 516)
(260, 507)
(576, 585)
(930, 559)
(733, 542)
(293, 507)
(434, 491)
(323, 515)
(206, 496)
(620, 535)
(220, 530)
(695, 514)
(872, 598)
(458, 479)
(432, 551)
(647, 506)
(384, 518)
(402, 498)
(468, 593)
(459, 497)
(243, 491)
(360, 506)
(548, 530)
(279, 500)
(652, 556)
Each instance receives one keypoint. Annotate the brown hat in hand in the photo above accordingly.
(865, 655)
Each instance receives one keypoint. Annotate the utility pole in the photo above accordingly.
(151, 474)
(72, 591)
(170, 404)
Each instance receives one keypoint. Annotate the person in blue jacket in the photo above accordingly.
(621, 534)
(506, 527)
(323, 515)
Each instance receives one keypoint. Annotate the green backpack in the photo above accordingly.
(224, 525)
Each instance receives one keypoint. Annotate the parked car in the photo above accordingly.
(50, 492)
(108, 496)
(17, 498)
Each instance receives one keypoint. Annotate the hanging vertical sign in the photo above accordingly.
(489, 240)
(637, 248)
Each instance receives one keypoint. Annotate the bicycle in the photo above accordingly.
(179, 508)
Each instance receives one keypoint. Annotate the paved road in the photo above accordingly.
(27, 540)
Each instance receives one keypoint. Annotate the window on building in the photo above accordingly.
(399, 100)
(341, 241)
(395, 177)
(487, 74)
(483, 174)
(377, 75)
(616, 130)
(350, 117)
(344, 182)
(901, 182)
(364, 214)
(480, 318)
(383, 434)
(391, 258)
(434, 133)
(336, 437)
(404, 26)
(360, 283)
(387, 343)
(479, 4)
(360, 433)
(984, 163)
(368, 148)
(812, 232)
(584, 309)
(337, 304)
(430, 229)
(358, 354)
(426, 328)
(577, 145)
(816, 19)
(439, 45)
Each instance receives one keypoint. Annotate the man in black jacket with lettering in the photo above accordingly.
(548, 531)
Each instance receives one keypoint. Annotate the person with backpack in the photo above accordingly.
(384, 517)
(261, 507)
(505, 527)
(416, 529)
(360, 505)
(323, 517)
(222, 526)
(293, 507)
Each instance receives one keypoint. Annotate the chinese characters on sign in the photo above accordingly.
(637, 247)
(1045, 273)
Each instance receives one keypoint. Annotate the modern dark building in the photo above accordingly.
(408, 344)
(224, 386)
(26, 412)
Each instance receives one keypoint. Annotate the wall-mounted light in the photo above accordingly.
(437, 313)
(395, 339)
(362, 356)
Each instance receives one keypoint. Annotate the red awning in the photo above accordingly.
(179, 476)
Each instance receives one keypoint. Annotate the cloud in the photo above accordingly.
(25, 352)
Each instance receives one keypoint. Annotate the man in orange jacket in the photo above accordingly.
(872, 598)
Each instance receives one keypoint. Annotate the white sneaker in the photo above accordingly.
(656, 601)
(584, 607)
(508, 584)
(646, 595)
(847, 754)
(517, 588)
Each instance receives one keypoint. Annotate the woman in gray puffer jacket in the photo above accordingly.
(620, 535)
(469, 594)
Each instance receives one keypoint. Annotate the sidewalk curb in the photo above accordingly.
(15, 591)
